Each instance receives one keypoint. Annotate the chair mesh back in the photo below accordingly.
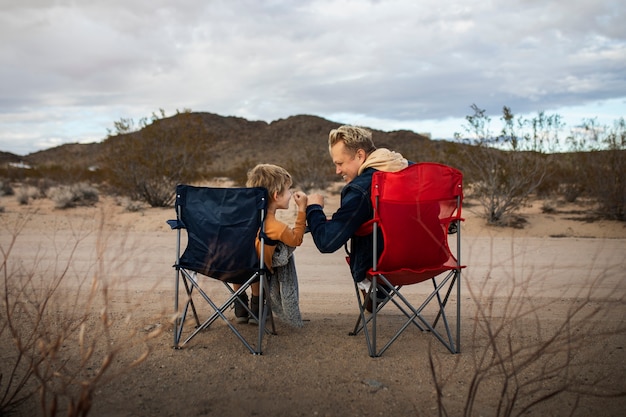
(414, 208)
(222, 224)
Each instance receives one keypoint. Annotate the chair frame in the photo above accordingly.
(450, 338)
(186, 279)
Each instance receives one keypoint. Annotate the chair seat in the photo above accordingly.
(409, 276)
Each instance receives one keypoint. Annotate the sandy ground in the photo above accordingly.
(543, 315)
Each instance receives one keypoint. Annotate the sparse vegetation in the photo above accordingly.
(533, 363)
(598, 166)
(146, 165)
(26, 193)
(314, 173)
(145, 160)
(78, 338)
(130, 205)
(548, 206)
(6, 188)
(67, 196)
(59, 357)
(507, 167)
(55, 329)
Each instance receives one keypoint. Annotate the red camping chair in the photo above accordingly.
(415, 210)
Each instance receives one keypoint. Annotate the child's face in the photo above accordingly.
(282, 200)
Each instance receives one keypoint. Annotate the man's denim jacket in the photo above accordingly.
(356, 209)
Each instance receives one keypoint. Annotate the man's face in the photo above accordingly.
(346, 164)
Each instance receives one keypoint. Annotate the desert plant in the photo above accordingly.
(55, 328)
(310, 169)
(529, 363)
(507, 167)
(26, 193)
(237, 172)
(598, 162)
(548, 206)
(130, 205)
(67, 196)
(139, 166)
(16, 375)
(6, 188)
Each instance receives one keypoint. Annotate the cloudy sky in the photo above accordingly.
(69, 68)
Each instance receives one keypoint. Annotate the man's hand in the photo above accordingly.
(316, 199)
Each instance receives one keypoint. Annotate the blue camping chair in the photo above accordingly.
(222, 225)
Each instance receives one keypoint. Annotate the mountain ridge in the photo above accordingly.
(232, 138)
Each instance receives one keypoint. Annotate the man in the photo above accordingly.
(356, 159)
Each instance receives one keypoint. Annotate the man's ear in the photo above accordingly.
(275, 195)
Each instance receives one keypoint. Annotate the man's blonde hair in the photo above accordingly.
(272, 177)
(353, 137)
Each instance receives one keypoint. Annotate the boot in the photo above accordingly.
(241, 314)
(254, 306)
(367, 301)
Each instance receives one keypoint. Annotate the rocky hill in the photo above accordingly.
(233, 140)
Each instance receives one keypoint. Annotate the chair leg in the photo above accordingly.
(365, 302)
(413, 315)
(263, 313)
(218, 312)
(361, 296)
(268, 308)
(189, 290)
(185, 277)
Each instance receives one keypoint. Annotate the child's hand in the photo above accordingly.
(301, 199)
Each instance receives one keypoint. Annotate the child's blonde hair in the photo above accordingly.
(272, 177)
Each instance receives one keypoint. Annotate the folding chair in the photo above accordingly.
(414, 210)
(222, 225)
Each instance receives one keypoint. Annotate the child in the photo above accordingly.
(277, 181)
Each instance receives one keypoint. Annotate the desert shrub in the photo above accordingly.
(599, 164)
(67, 174)
(26, 193)
(56, 341)
(310, 169)
(67, 196)
(146, 165)
(509, 348)
(571, 191)
(238, 173)
(548, 206)
(129, 204)
(505, 168)
(307, 170)
(6, 188)
(23, 198)
(44, 184)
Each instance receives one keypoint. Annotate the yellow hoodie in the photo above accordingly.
(385, 160)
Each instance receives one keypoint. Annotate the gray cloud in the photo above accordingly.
(70, 70)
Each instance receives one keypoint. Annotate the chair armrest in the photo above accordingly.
(176, 224)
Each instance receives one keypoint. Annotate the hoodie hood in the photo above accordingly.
(383, 159)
